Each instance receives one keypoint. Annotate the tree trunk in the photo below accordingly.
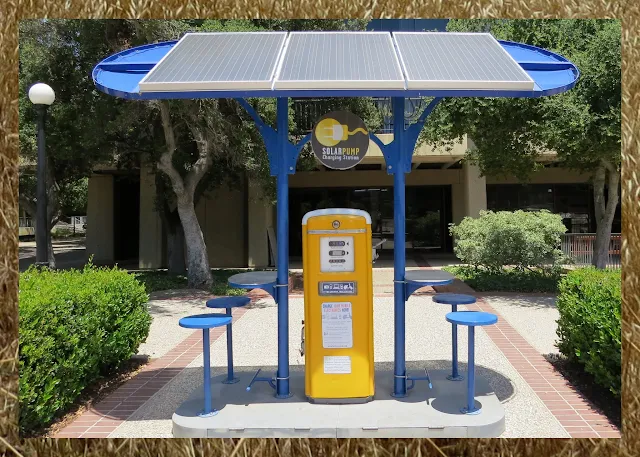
(52, 258)
(198, 262)
(605, 210)
(175, 245)
(198, 271)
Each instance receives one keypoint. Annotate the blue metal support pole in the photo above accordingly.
(207, 373)
(282, 287)
(471, 375)
(399, 261)
(455, 376)
(230, 377)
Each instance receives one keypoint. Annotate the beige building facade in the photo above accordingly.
(239, 226)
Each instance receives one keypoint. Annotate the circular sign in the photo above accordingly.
(340, 140)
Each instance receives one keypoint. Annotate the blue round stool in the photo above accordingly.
(228, 303)
(454, 300)
(471, 319)
(206, 322)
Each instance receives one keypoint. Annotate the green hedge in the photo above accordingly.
(508, 279)
(521, 239)
(589, 325)
(75, 326)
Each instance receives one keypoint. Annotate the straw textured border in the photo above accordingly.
(14, 10)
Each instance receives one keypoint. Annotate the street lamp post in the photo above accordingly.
(42, 96)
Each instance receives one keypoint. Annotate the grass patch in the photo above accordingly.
(508, 279)
(163, 280)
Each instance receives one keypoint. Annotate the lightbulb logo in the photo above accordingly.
(340, 140)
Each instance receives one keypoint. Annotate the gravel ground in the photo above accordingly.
(165, 333)
(428, 343)
(533, 316)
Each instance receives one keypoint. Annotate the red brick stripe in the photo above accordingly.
(576, 414)
(103, 418)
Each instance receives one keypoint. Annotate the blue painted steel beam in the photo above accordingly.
(283, 156)
(282, 291)
(123, 67)
(396, 153)
(135, 94)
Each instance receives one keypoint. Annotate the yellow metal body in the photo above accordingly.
(338, 300)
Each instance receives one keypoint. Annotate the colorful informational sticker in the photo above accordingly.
(340, 140)
(337, 325)
(338, 288)
(337, 364)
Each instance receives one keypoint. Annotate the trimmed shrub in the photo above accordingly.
(520, 239)
(589, 325)
(508, 279)
(75, 326)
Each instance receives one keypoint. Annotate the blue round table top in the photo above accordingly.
(228, 302)
(253, 279)
(202, 321)
(471, 318)
(429, 277)
(454, 299)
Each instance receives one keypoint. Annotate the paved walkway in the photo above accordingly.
(69, 253)
(538, 401)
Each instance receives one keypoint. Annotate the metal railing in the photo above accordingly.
(308, 111)
(579, 248)
(25, 222)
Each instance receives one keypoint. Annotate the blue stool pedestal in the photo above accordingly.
(454, 300)
(205, 322)
(228, 303)
(471, 319)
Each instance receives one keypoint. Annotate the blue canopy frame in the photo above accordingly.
(119, 74)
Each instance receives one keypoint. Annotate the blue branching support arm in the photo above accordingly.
(383, 147)
(413, 131)
(269, 134)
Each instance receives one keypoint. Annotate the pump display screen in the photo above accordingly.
(336, 260)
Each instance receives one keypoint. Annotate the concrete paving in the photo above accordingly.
(428, 344)
(424, 413)
(165, 333)
(69, 253)
(533, 316)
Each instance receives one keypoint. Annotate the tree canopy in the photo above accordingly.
(582, 125)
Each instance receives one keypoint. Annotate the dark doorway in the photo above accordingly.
(126, 218)
(428, 213)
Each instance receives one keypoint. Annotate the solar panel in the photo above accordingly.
(436, 60)
(218, 61)
(339, 60)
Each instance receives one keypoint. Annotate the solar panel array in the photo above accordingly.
(336, 61)
(458, 61)
(202, 61)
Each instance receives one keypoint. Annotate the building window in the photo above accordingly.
(572, 201)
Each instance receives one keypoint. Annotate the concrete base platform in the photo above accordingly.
(423, 413)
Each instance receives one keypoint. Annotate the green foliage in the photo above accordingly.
(589, 325)
(520, 239)
(75, 326)
(62, 53)
(581, 125)
(509, 279)
(163, 280)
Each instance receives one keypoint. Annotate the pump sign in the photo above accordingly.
(340, 140)
(338, 305)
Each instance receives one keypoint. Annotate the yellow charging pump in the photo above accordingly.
(338, 305)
